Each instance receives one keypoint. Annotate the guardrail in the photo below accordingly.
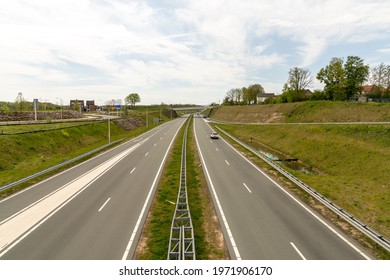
(299, 123)
(181, 241)
(373, 235)
(15, 183)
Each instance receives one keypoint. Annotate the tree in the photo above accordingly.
(343, 81)
(380, 78)
(318, 95)
(387, 82)
(230, 94)
(132, 98)
(19, 101)
(333, 77)
(245, 95)
(299, 79)
(253, 91)
(76, 106)
(356, 73)
(238, 95)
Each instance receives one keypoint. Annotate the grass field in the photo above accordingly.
(350, 163)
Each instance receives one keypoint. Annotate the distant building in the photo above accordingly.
(261, 97)
(90, 104)
(80, 102)
(367, 89)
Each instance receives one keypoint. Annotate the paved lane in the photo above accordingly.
(97, 208)
(260, 219)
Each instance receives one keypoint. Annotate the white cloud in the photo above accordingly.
(165, 52)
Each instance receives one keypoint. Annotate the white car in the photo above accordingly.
(214, 135)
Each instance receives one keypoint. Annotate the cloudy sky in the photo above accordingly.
(172, 51)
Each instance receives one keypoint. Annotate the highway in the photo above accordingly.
(259, 218)
(94, 210)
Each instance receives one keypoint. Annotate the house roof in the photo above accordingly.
(266, 94)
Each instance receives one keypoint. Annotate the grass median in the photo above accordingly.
(154, 241)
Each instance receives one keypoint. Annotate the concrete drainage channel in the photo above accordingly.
(43, 172)
(373, 235)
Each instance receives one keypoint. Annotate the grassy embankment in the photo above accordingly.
(319, 111)
(209, 242)
(350, 163)
(24, 154)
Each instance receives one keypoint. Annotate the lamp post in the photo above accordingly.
(147, 123)
(109, 131)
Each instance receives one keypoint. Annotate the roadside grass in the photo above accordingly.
(350, 163)
(309, 111)
(25, 154)
(154, 241)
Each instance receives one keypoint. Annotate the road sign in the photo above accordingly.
(118, 107)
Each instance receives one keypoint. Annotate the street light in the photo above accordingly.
(109, 132)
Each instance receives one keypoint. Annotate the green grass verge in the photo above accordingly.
(25, 154)
(351, 163)
(309, 111)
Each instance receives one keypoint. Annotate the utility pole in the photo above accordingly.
(35, 108)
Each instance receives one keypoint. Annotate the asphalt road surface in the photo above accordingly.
(259, 218)
(94, 210)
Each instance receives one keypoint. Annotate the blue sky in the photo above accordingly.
(178, 51)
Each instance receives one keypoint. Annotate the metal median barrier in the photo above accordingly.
(181, 241)
(373, 235)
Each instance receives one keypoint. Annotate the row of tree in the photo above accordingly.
(245, 95)
(343, 80)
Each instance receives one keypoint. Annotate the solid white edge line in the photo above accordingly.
(104, 204)
(138, 223)
(299, 252)
(247, 187)
(302, 205)
(225, 222)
